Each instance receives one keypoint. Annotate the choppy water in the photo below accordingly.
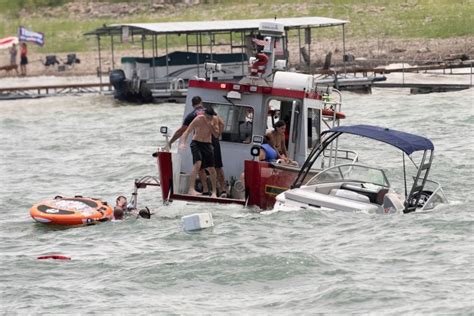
(249, 263)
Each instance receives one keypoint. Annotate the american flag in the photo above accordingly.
(259, 42)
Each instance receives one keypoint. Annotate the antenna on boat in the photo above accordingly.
(229, 100)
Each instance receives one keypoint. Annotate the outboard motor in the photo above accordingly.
(117, 80)
(392, 203)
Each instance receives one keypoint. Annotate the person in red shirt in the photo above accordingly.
(23, 58)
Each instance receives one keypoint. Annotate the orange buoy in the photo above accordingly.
(329, 112)
(71, 211)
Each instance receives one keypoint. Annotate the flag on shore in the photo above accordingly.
(26, 35)
(7, 42)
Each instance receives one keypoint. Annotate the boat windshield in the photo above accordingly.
(351, 173)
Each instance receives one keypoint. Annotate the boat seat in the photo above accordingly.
(316, 199)
(351, 195)
(359, 188)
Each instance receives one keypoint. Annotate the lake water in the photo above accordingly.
(283, 263)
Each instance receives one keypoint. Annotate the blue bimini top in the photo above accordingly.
(406, 142)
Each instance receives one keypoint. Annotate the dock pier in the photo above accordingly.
(32, 92)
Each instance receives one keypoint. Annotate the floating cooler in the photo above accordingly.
(197, 221)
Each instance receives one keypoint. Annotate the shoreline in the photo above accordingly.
(368, 52)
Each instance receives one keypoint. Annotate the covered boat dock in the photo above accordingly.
(206, 37)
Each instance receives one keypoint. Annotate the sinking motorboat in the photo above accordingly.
(358, 187)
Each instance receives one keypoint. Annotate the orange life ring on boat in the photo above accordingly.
(329, 112)
(71, 211)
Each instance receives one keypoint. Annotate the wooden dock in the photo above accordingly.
(420, 88)
(31, 92)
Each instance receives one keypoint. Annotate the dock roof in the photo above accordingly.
(214, 26)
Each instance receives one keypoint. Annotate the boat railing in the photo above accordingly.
(177, 84)
(333, 157)
(436, 196)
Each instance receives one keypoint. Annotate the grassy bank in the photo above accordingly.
(369, 19)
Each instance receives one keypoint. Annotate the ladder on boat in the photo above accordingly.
(416, 191)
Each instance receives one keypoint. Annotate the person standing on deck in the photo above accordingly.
(198, 109)
(204, 127)
(218, 158)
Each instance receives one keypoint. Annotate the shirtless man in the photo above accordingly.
(204, 126)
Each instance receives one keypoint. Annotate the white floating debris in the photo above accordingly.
(197, 221)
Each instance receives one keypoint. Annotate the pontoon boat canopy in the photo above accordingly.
(214, 26)
(406, 142)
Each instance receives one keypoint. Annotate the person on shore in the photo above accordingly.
(277, 137)
(23, 58)
(13, 53)
(204, 127)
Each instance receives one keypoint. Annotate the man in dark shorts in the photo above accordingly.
(198, 109)
(204, 126)
(218, 159)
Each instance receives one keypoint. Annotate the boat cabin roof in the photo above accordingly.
(214, 26)
(406, 142)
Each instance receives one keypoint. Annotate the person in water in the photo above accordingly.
(122, 208)
(204, 127)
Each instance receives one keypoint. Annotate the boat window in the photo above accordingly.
(351, 173)
(238, 122)
(314, 127)
(295, 123)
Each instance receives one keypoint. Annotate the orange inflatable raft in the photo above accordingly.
(71, 211)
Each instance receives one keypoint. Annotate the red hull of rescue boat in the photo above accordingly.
(263, 182)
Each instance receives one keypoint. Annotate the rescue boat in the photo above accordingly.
(71, 211)
(250, 109)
